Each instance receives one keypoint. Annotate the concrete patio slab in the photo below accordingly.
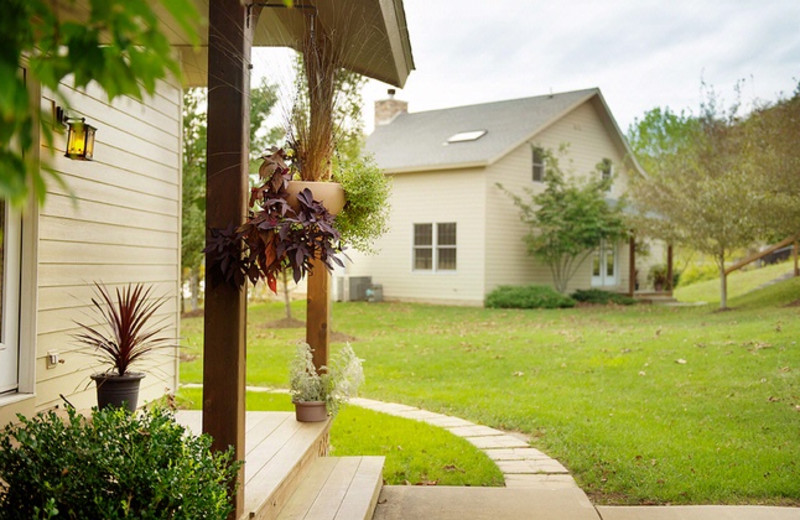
(469, 503)
(698, 513)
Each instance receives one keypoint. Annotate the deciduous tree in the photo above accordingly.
(699, 191)
(568, 220)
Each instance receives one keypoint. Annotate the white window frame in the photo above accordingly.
(603, 279)
(607, 171)
(9, 317)
(23, 398)
(537, 171)
(434, 247)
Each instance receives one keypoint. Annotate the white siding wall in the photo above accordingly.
(507, 260)
(123, 225)
(450, 196)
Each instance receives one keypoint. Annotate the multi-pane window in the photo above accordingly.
(538, 164)
(423, 247)
(435, 247)
(606, 169)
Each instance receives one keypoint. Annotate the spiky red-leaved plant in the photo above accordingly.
(126, 334)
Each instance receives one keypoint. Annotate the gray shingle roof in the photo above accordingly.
(416, 141)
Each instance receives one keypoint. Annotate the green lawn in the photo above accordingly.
(415, 452)
(739, 283)
(646, 404)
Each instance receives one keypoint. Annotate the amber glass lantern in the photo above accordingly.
(80, 139)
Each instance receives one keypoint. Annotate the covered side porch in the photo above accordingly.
(285, 465)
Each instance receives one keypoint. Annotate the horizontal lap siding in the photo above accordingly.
(507, 259)
(118, 221)
(436, 197)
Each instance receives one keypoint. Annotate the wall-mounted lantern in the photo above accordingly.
(80, 137)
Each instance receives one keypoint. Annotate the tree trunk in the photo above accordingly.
(194, 287)
(287, 302)
(723, 283)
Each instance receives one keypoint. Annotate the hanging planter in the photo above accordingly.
(330, 194)
(277, 234)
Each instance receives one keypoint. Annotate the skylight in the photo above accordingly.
(461, 137)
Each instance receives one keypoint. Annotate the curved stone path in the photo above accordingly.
(521, 465)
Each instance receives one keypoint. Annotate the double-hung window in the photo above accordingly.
(538, 164)
(435, 246)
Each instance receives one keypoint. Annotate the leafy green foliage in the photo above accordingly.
(568, 220)
(193, 205)
(365, 215)
(602, 297)
(527, 297)
(698, 272)
(718, 182)
(118, 45)
(114, 465)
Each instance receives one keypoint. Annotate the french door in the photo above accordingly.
(604, 265)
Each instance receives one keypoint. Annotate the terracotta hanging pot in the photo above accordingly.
(330, 194)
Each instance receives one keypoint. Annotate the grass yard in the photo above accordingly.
(644, 404)
(739, 283)
(416, 453)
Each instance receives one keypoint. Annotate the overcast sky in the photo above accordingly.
(640, 53)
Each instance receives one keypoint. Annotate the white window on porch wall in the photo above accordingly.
(434, 247)
(604, 265)
(10, 251)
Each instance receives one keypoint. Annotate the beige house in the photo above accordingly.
(454, 235)
(118, 222)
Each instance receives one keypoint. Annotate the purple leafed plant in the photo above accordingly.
(126, 334)
(274, 236)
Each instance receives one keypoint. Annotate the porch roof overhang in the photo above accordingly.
(371, 36)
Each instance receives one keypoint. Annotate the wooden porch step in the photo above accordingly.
(337, 488)
(279, 453)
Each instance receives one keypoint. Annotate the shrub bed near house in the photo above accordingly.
(527, 297)
(114, 465)
(694, 273)
(601, 297)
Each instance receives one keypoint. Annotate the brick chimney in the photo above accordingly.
(387, 109)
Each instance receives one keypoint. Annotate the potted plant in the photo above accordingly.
(124, 337)
(281, 231)
(657, 276)
(318, 393)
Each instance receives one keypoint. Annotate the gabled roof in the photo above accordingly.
(419, 141)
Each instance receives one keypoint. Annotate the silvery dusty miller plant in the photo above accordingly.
(337, 383)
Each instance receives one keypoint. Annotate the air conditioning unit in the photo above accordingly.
(357, 288)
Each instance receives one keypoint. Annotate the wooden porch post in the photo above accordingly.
(318, 308)
(632, 267)
(227, 192)
(669, 269)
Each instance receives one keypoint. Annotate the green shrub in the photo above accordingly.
(114, 465)
(694, 273)
(601, 297)
(527, 297)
